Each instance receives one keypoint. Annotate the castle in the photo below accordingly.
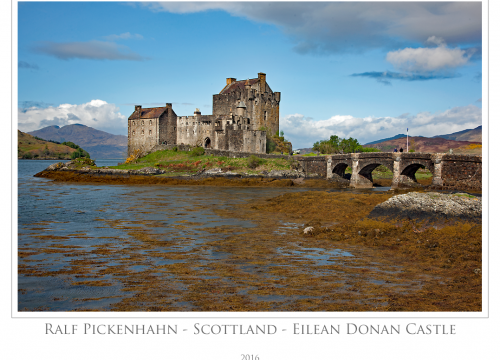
(241, 112)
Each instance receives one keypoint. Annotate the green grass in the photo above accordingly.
(465, 195)
(181, 163)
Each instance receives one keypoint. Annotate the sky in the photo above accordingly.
(352, 69)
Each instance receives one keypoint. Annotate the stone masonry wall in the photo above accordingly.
(314, 167)
(462, 171)
(194, 130)
(168, 127)
(142, 134)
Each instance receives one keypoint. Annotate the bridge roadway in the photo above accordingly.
(448, 170)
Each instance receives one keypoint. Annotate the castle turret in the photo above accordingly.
(240, 110)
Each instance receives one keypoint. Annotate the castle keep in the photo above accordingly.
(240, 113)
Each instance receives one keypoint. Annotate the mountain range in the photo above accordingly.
(472, 135)
(99, 144)
(103, 145)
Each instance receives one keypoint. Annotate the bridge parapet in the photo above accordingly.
(448, 170)
(461, 171)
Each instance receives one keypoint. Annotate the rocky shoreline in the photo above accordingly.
(149, 171)
(431, 207)
(151, 175)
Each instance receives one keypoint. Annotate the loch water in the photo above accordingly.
(56, 214)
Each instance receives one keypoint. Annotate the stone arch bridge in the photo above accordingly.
(448, 170)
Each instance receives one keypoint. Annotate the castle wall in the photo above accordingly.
(142, 134)
(193, 130)
(167, 133)
(252, 141)
(265, 112)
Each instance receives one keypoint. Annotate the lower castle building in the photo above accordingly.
(242, 113)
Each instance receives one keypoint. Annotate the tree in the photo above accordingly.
(336, 145)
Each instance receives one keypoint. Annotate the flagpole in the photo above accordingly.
(406, 139)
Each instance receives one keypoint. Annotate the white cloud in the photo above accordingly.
(352, 26)
(124, 36)
(303, 132)
(91, 50)
(96, 113)
(429, 59)
(435, 40)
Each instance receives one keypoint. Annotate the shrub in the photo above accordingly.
(253, 161)
(270, 145)
(80, 153)
(174, 148)
(70, 144)
(85, 161)
(136, 154)
(197, 151)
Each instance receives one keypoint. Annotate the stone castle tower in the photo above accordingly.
(242, 113)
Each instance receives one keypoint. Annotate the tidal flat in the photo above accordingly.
(108, 247)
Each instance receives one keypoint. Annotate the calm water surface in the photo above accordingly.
(60, 216)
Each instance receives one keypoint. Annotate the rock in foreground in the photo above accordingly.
(431, 206)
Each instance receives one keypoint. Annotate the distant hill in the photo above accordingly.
(28, 147)
(423, 144)
(474, 135)
(99, 144)
(387, 139)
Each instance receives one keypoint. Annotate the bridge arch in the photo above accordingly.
(407, 167)
(339, 169)
(364, 164)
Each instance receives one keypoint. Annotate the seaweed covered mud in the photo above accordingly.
(230, 248)
(421, 258)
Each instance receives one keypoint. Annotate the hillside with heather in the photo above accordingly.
(29, 147)
(473, 135)
(99, 144)
(430, 145)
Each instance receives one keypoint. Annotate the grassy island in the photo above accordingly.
(178, 163)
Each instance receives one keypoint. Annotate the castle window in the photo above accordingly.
(265, 115)
(150, 132)
(142, 122)
(133, 132)
(150, 122)
(142, 132)
(174, 128)
(133, 122)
